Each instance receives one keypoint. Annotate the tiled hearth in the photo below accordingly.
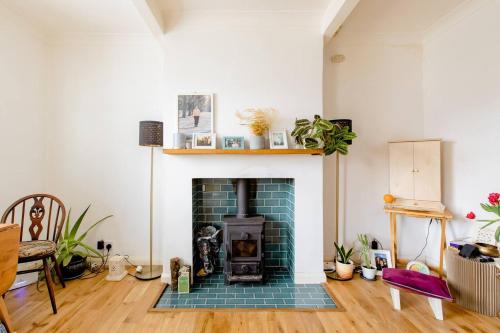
(279, 292)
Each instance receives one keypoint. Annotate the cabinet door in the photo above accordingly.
(401, 169)
(427, 170)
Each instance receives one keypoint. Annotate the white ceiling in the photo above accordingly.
(80, 16)
(244, 5)
(382, 17)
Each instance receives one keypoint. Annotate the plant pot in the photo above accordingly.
(369, 273)
(75, 268)
(257, 142)
(344, 271)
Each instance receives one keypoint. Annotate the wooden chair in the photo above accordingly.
(47, 215)
(9, 247)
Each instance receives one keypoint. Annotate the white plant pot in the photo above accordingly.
(344, 271)
(369, 273)
(257, 142)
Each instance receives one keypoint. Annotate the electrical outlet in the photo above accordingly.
(106, 243)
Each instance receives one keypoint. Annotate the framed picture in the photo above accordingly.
(233, 142)
(204, 140)
(195, 113)
(278, 139)
(381, 259)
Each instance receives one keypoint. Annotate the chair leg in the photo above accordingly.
(4, 316)
(58, 270)
(48, 279)
(396, 303)
(437, 307)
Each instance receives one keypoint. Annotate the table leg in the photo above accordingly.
(442, 246)
(394, 239)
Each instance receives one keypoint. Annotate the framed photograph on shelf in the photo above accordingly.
(204, 141)
(381, 259)
(195, 113)
(278, 139)
(233, 142)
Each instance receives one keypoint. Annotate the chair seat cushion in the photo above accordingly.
(428, 285)
(36, 249)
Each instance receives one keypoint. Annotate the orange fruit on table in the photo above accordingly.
(388, 198)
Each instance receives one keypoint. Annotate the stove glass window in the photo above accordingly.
(244, 248)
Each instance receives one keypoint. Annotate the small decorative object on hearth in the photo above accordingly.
(368, 272)
(175, 266)
(208, 246)
(492, 207)
(344, 266)
(150, 135)
(258, 120)
(183, 283)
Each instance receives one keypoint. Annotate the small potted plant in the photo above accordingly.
(72, 252)
(369, 272)
(344, 266)
(259, 122)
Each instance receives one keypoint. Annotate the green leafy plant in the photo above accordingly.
(322, 133)
(365, 250)
(70, 245)
(345, 257)
(492, 207)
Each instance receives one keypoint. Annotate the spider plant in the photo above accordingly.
(365, 250)
(71, 245)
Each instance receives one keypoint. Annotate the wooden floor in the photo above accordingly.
(96, 305)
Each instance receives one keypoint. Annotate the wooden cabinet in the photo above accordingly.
(415, 173)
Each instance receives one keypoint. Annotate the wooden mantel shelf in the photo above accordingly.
(243, 152)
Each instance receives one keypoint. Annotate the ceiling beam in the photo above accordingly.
(335, 15)
(151, 13)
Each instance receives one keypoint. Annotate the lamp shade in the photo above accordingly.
(151, 133)
(343, 123)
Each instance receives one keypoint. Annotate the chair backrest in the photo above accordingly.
(43, 211)
(9, 247)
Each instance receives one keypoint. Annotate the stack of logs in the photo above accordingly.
(175, 266)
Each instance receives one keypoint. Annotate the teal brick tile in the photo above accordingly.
(274, 301)
(226, 295)
(228, 203)
(265, 180)
(278, 209)
(264, 195)
(264, 210)
(278, 180)
(216, 301)
(226, 188)
(279, 195)
(235, 301)
(271, 188)
(213, 203)
(220, 210)
(263, 295)
(254, 301)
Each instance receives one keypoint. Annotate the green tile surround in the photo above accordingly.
(279, 292)
(272, 197)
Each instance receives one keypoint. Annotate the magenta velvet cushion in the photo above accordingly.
(420, 283)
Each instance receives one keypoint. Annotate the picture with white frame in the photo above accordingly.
(195, 113)
(381, 259)
(278, 139)
(204, 140)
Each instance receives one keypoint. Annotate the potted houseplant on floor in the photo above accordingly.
(72, 252)
(369, 272)
(259, 121)
(344, 266)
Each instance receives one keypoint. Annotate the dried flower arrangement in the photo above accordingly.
(257, 119)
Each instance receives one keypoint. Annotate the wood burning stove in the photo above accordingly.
(243, 241)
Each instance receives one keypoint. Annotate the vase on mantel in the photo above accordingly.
(257, 141)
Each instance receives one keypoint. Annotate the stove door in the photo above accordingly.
(245, 244)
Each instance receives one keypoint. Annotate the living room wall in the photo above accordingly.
(23, 78)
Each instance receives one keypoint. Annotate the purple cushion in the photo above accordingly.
(424, 284)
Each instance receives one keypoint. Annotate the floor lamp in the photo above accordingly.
(150, 135)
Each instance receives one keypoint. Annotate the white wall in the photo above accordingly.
(22, 105)
(379, 87)
(100, 88)
(246, 59)
(462, 106)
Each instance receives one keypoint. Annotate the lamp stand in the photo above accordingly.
(151, 272)
(337, 192)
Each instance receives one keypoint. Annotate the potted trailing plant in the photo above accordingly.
(344, 266)
(72, 252)
(492, 207)
(322, 133)
(259, 121)
(369, 272)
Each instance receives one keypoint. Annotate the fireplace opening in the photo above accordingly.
(253, 220)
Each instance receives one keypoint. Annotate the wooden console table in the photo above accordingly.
(441, 217)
